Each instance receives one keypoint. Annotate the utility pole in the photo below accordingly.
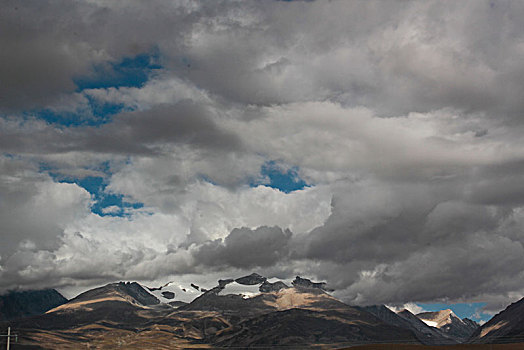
(9, 335)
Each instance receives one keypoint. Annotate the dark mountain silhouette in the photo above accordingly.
(18, 304)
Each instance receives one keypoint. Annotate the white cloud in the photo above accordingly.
(33, 207)
(112, 209)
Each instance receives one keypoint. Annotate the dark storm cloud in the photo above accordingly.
(139, 132)
(186, 122)
(403, 220)
(183, 123)
(245, 248)
(396, 244)
(39, 57)
(498, 184)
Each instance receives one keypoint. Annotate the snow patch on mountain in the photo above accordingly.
(430, 323)
(440, 318)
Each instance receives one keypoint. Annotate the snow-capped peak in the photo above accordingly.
(172, 292)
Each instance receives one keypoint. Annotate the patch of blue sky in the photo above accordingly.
(207, 179)
(105, 203)
(99, 114)
(275, 176)
(129, 72)
(462, 310)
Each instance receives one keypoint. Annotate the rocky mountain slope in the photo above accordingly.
(505, 327)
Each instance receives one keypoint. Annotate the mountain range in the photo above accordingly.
(250, 311)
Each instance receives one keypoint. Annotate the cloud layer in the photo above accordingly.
(404, 119)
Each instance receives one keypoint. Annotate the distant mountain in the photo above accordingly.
(18, 304)
(270, 313)
(450, 324)
(129, 291)
(405, 319)
(505, 327)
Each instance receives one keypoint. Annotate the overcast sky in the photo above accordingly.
(374, 145)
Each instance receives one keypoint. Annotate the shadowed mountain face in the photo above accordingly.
(505, 327)
(301, 327)
(450, 324)
(14, 305)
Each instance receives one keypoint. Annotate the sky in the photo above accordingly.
(373, 145)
